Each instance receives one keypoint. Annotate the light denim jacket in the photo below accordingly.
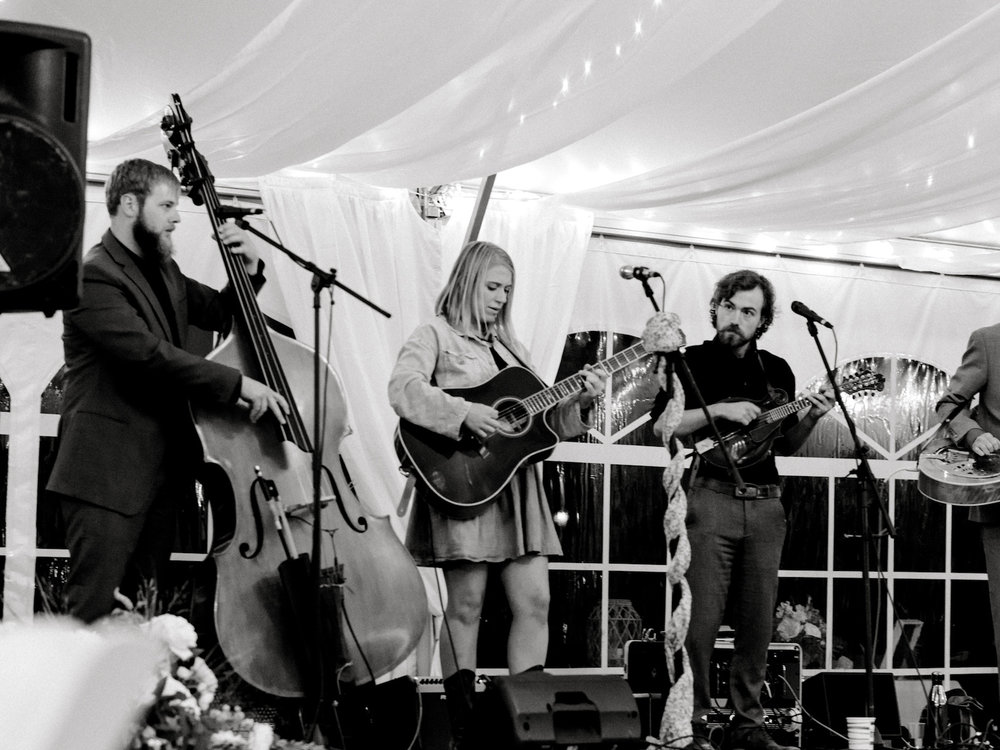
(452, 359)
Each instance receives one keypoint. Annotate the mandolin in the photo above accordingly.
(750, 444)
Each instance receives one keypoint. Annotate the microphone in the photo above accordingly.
(805, 312)
(637, 272)
(237, 212)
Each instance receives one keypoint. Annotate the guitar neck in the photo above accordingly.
(546, 398)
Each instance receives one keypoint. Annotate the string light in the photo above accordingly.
(586, 71)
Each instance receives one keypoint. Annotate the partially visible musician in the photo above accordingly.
(736, 541)
(468, 342)
(127, 448)
(976, 430)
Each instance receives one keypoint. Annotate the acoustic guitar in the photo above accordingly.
(958, 477)
(463, 476)
(750, 444)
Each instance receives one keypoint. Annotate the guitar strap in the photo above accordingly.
(498, 356)
(776, 395)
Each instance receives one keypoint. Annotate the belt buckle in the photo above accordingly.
(746, 490)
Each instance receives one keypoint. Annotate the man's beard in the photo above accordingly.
(733, 337)
(151, 244)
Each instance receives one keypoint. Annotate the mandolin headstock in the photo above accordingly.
(863, 383)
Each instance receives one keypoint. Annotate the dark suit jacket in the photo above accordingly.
(126, 426)
(979, 374)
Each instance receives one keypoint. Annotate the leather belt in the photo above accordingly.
(749, 491)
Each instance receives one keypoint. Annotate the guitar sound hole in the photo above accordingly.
(515, 417)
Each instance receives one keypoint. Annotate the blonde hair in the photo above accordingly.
(460, 302)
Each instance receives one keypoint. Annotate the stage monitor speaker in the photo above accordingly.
(540, 710)
(830, 697)
(44, 90)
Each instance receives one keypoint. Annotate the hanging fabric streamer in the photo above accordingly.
(675, 724)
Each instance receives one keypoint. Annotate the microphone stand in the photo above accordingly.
(320, 280)
(741, 487)
(867, 489)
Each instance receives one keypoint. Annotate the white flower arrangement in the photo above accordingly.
(802, 624)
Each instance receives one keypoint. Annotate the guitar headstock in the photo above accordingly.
(863, 382)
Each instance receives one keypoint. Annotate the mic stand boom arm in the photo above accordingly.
(324, 278)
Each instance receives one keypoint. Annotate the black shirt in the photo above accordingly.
(151, 268)
(720, 376)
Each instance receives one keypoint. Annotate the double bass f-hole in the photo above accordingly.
(273, 499)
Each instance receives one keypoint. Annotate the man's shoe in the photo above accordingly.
(700, 739)
(754, 738)
(699, 742)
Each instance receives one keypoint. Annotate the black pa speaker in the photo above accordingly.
(44, 90)
(830, 697)
(541, 710)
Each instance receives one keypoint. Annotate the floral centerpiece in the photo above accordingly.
(180, 711)
(802, 624)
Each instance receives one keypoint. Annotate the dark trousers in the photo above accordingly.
(991, 548)
(109, 550)
(735, 553)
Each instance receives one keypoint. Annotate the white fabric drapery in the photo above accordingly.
(786, 123)
(912, 149)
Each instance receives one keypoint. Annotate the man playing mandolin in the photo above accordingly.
(128, 450)
(736, 536)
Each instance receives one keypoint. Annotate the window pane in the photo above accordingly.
(805, 500)
(575, 493)
(918, 632)
(576, 596)
(971, 625)
(920, 530)
(966, 543)
(847, 529)
(637, 506)
(636, 602)
(848, 623)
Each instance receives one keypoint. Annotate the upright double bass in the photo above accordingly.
(381, 607)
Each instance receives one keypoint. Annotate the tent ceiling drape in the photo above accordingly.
(829, 127)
